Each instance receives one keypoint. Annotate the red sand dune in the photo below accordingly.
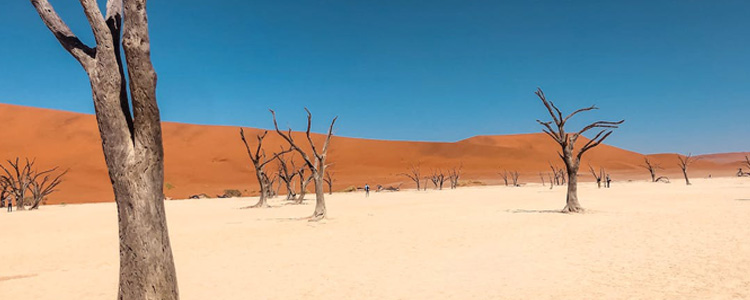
(209, 159)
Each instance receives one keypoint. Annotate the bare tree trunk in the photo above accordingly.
(263, 197)
(571, 202)
(132, 144)
(687, 180)
(320, 202)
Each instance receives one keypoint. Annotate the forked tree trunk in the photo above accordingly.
(132, 144)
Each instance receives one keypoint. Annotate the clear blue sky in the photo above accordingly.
(677, 71)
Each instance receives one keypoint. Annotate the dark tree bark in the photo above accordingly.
(18, 178)
(259, 160)
(132, 143)
(684, 163)
(41, 187)
(570, 157)
(316, 164)
(414, 174)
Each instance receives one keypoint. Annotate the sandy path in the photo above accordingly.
(639, 241)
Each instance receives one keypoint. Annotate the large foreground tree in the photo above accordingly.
(316, 164)
(132, 142)
(572, 159)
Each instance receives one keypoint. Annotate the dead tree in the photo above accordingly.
(329, 181)
(453, 176)
(597, 176)
(567, 142)
(510, 178)
(259, 160)
(541, 176)
(287, 175)
(559, 174)
(438, 179)
(43, 184)
(18, 178)
(652, 167)
(684, 163)
(131, 142)
(504, 175)
(317, 164)
(414, 174)
(745, 164)
(514, 175)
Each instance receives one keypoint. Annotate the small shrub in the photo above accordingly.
(349, 189)
(231, 194)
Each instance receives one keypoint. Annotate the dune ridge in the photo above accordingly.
(209, 159)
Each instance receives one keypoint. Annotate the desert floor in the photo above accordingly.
(638, 240)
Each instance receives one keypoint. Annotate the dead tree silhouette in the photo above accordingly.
(316, 164)
(567, 142)
(684, 163)
(259, 160)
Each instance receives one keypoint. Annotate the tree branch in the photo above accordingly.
(82, 53)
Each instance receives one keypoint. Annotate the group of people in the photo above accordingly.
(607, 181)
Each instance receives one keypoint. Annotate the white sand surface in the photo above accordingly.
(638, 240)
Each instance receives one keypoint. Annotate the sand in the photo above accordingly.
(638, 240)
(209, 159)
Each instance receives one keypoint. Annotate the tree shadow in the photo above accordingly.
(535, 211)
(742, 199)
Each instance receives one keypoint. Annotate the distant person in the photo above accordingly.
(9, 202)
(367, 190)
(609, 180)
(598, 181)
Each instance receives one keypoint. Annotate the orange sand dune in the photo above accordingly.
(209, 159)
